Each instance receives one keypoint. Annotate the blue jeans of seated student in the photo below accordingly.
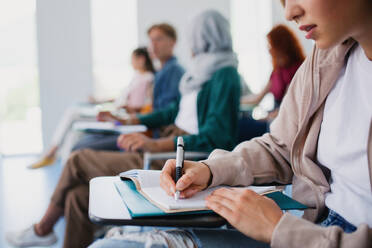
(180, 238)
(202, 238)
(334, 219)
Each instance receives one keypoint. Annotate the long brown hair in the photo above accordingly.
(142, 51)
(286, 45)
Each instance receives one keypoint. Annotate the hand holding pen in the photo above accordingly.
(195, 178)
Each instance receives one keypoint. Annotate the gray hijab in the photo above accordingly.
(211, 44)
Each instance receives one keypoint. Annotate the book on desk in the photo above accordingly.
(98, 127)
(141, 192)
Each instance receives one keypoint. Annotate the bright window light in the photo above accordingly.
(251, 21)
(114, 31)
(20, 115)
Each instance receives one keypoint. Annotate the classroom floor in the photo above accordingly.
(25, 194)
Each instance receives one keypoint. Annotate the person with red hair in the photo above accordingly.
(287, 55)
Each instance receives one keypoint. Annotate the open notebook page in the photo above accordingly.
(158, 195)
(150, 186)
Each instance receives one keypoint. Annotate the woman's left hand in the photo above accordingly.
(136, 142)
(252, 214)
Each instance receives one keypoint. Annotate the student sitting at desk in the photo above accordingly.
(137, 99)
(163, 38)
(206, 116)
(321, 142)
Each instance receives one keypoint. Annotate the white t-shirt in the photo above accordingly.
(187, 117)
(343, 139)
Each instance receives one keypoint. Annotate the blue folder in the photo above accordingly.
(138, 206)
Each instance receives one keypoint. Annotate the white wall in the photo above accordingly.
(65, 61)
(178, 13)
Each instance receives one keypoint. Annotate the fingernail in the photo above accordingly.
(180, 184)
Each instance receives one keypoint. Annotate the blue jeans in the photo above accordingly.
(334, 219)
(202, 238)
(180, 238)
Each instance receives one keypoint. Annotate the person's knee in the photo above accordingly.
(108, 243)
(77, 199)
(155, 239)
(76, 157)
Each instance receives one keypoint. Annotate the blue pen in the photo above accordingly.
(180, 155)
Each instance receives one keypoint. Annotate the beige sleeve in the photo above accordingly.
(266, 159)
(310, 235)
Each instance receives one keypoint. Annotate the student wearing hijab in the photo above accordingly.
(208, 107)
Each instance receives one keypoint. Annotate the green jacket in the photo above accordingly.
(217, 108)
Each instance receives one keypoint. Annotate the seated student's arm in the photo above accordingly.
(138, 141)
(163, 117)
(292, 232)
(255, 99)
(219, 127)
(155, 119)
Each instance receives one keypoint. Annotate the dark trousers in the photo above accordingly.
(103, 142)
(250, 128)
(72, 191)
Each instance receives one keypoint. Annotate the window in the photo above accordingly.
(114, 30)
(251, 21)
(20, 117)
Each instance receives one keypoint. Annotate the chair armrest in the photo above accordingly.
(148, 157)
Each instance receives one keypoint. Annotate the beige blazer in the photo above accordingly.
(288, 155)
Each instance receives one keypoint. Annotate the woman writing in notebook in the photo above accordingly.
(138, 99)
(321, 142)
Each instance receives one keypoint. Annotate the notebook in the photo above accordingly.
(143, 196)
(107, 127)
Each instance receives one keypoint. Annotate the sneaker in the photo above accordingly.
(45, 161)
(29, 238)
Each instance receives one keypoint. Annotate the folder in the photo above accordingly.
(97, 127)
(138, 206)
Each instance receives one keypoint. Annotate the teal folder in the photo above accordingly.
(138, 206)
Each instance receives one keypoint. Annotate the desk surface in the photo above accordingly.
(107, 208)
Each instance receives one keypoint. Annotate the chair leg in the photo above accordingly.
(146, 163)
